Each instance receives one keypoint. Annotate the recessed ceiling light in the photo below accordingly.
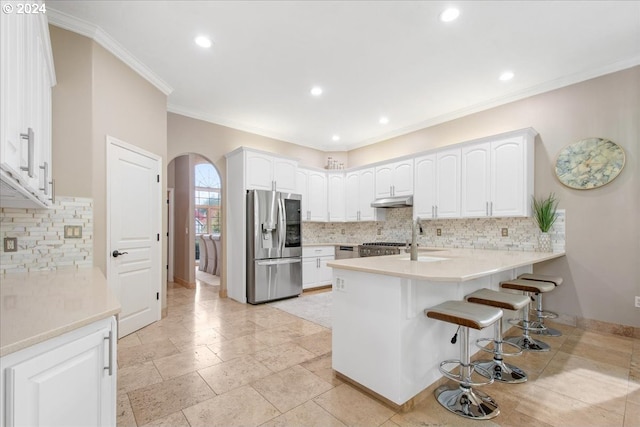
(449, 15)
(335, 138)
(384, 120)
(507, 75)
(316, 91)
(203, 41)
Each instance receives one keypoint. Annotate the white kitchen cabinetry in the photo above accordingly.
(314, 266)
(394, 179)
(267, 172)
(437, 185)
(69, 380)
(497, 176)
(335, 196)
(360, 192)
(312, 185)
(26, 78)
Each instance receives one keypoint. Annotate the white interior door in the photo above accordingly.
(134, 195)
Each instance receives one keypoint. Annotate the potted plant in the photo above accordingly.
(544, 213)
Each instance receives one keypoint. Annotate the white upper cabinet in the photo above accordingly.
(394, 179)
(336, 196)
(26, 78)
(359, 191)
(437, 185)
(266, 172)
(497, 177)
(312, 185)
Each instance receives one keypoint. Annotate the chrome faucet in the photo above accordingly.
(414, 245)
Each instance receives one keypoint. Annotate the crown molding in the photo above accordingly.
(97, 34)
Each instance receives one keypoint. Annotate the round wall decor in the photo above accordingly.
(589, 163)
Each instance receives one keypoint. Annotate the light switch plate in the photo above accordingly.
(438, 231)
(72, 231)
(11, 244)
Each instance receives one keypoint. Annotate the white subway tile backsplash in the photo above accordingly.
(40, 233)
(479, 233)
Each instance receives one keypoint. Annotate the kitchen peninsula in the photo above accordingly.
(381, 338)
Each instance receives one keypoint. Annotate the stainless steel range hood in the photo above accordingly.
(393, 202)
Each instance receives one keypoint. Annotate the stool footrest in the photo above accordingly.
(493, 351)
(544, 314)
(531, 327)
(458, 378)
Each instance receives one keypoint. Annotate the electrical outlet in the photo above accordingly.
(11, 244)
(638, 302)
(342, 231)
(340, 285)
(379, 231)
(505, 232)
(438, 231)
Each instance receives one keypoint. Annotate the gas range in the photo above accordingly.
(380, 248)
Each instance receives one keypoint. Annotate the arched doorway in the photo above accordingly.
(195, 206)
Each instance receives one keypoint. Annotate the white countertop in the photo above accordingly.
(38, 306)
(460, 264)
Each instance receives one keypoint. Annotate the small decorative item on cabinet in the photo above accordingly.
(544, 213)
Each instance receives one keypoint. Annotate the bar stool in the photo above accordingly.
(529, 287)
(464, 400)
(541, 314)
(500, 370)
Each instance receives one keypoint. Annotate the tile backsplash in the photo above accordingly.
(41, 239)
(479, 233)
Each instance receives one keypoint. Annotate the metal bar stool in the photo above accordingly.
(464, 400)
(540, 313)
(500, 370)
(529, 287)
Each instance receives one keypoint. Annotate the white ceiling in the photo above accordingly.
(372, 58)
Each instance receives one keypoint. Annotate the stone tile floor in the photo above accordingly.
(215, 362)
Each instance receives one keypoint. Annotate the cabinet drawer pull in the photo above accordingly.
(30, 152)
(53, 191)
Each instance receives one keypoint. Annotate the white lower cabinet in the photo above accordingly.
(314, 266)
(69, 380)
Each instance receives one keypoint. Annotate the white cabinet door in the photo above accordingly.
(336, 197)
(403, 178)
(325, 274)
(69, 385)
(367, 194)
(309, 272)
(317, 192)
(448, 184)
(424, 197)
(384, 180)
(394, 179)
(476, 180)
(284, 174)
(509, 195)
(258, 169)
(302, 187)
(352, 197)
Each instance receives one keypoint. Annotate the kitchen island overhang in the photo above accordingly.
(381, 338)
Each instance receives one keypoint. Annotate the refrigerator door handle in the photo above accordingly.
(279, 261)
(282, 221)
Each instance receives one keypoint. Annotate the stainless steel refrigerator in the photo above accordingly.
(274, 246)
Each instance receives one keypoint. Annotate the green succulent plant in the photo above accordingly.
(544, 212)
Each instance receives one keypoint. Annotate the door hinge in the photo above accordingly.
(167, 234)
(167, 266)
(158, 296)
(158, 176)
(158, 237)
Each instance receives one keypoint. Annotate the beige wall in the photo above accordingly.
(602, 268)
(98, 95)
(184, 251)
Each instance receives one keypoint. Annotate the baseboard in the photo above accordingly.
(222, 293)
(184, 283)
(598, 326)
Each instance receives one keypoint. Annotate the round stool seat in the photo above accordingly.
(464, 314)
(498, 299)
(528, 285)
(556, 280)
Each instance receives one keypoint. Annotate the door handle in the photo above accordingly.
(116, 253)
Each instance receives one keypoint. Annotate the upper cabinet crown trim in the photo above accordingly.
(84, 28)
(266, 153)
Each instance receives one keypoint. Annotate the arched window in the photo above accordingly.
(207, 199)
